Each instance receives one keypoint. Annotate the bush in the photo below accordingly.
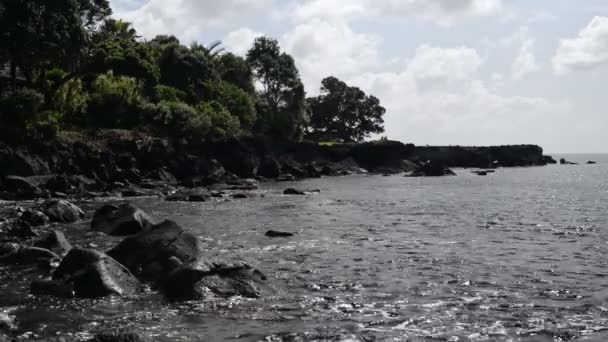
(20, 108)
(114, 102)
(71, 99)
(163, 93)
(223, 125)
(176, 119)
(237, 101)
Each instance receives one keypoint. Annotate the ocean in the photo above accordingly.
(519, 255)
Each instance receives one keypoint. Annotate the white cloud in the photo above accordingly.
(187, 18)
(587, 51)
(525, 62)
(456, 106)
(439, 11)
(322, 48)
(240, 41)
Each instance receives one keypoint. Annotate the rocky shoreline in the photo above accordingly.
(157, 254)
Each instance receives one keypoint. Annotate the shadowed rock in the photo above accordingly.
(432, 169)
(55, 242)
(20, 229)
(34, 218)
(148, 255)
(292, 191)
(221, 279)
(22, 189)
(121, 220)
(89, 274)
(274, 233)
(12, 253)
(62, 211)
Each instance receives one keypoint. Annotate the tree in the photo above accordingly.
(237, 102)
(36, 35)
(235, 70)
(116, 48)
(344, 113)
(282, 96)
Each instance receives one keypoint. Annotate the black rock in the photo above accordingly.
(286, 177)
(224, 279)
(21, 229)
(148, 255)
(432, 169)
(62, 211)
(591, 162)
(239, 196)
(90, 274)
(15, 254)
(55, 242)
(193, 195)
(117, 337)
(34, 218)
(273, 233)
(291, 191)
(565, 162)
(269, 168)
(22, 189)
(121, 220)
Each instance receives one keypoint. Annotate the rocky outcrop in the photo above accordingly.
(62, 211)
(565, 162)
(87, 273)
(19, 188)
(223, 279)
(292, 191)
(149, 254)
(432, 169)
(121, 220)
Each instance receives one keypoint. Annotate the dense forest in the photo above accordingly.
(69, 66)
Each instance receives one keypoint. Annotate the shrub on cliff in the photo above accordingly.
(237, 101)
(176, 119)
(223, 124)
(113, 102)
(71, 100)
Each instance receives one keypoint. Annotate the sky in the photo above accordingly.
(449, 72)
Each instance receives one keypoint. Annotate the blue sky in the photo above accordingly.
(451, 72)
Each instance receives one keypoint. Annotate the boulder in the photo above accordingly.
(274, 233)
(220, 279)
(89, 274)
(269, 168)
(55, 242)
(20, 229)
(193, 195)
(34, 218)
(432, 169)
(21, 188)
(591, 162)
(62, 211)
(292, 191)
(12, 253)
(121, 220)
(148, 255)
(312, 171)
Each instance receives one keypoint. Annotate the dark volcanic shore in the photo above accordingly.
(129, 157)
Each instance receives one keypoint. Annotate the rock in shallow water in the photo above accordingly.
(34, 218)
(148, 255)
(62, 211)
(274, 233)
(20, 188)
(121, 220)
(89, 274)
(55, 242)
(15, 254)
(292, 191)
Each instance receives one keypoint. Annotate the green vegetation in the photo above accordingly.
(72, 67)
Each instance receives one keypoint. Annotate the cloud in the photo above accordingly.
(587, 51)
(322, 48)
(525, 62)
(240, 41)
(186, 18)
(438, 11)
(440, 91)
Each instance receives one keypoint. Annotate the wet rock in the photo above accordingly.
(328, 171)
(294, 170)
(221, 279)
(148, 255)
(34, 218)
(239, 196)
(292, 191)
(432, 169)
(312, 171)
(591, 162)
(91, 274)
(274, 233)
(286, 177)
(269, 168)
(15, 254)
(193, 195)
(481, 173)
(55, 242)
(117, 337)
(21, 229)
(21, 188)
(565, 162)
(121, 220)
(62, 211)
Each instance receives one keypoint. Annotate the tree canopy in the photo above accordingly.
(85, 70)
(344, 113)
